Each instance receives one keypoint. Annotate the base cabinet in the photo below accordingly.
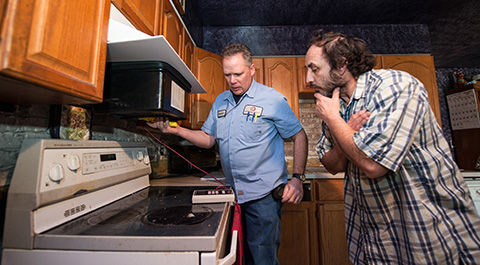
(332, 240)
(299, 238)
(313, 232)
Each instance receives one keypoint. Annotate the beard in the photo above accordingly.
(328, 84)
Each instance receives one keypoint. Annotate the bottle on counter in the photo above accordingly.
(160, 163)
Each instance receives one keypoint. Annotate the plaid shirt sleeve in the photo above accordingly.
(394, 121)
(325, 143)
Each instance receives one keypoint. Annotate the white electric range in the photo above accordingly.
(90, 202)
(472, 179)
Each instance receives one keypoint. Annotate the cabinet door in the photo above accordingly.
(299, 229)
(57, 47)
(328, 194)
(187, 50)
(143, 14)
(258, 62)
(172, 27)
(421, 67)
(209, 72)
(281, 74)
(332, 236)
(379, 62)
(303, 86)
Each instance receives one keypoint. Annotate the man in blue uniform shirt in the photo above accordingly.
(250, 122)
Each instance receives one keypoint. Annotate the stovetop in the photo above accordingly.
(150, 219)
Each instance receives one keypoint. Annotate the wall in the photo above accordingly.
(293, 40)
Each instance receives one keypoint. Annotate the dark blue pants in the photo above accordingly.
(261, 226)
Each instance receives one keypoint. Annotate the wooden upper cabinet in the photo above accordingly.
(258, 62)
(143, 14)
(209, 72)
(303, 86)
(188, 54)
(281, 74)
(53, 52)
(379, 62)
(422, 67)
(172, 27)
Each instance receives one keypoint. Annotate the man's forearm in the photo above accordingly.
(343, 134)
(197, 137)
(300, 152)
(334, 160)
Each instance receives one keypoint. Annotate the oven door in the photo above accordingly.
(228, 258)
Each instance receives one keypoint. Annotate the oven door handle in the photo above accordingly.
(231, 257)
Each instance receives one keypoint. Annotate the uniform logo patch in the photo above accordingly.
(252, 110)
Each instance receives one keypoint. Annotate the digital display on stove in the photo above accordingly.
(107, 157)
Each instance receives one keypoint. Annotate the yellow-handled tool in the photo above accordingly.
(154, 120)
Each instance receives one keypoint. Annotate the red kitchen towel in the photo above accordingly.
(237, 225)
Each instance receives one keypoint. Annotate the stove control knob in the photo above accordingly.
(146, 160)
(140, 156)
(73, 162)
(56, 173)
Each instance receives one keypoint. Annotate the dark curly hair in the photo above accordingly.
(339, 48)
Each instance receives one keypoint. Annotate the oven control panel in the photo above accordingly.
(97, 162)
(52, 170)
(90, 168)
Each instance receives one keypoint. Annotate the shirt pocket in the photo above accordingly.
(222, 128)
(252, 131)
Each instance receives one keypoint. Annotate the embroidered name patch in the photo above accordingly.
(221, 113)
(252, 110)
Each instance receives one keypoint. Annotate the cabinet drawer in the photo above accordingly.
(328, 190)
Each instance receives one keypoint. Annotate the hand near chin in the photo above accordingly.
(327, 107)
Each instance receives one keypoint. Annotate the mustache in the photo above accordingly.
(320, 90)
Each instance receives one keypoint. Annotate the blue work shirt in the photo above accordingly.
(250, 138)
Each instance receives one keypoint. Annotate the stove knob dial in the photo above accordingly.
(73, 162)
(140, 156)
(56, 173)
(146, 160)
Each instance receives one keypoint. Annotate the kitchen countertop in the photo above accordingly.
(322, 175)
(471, 174)
(195, 180)
(188, 180)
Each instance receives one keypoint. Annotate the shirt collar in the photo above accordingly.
(360, 88)
(357, 94)
(250, 93)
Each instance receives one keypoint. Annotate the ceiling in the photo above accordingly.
(453, 25)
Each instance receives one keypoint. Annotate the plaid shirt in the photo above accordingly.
(421, 211)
